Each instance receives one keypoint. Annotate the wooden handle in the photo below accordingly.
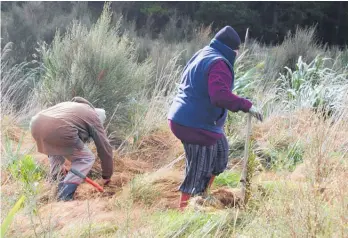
(246, 156)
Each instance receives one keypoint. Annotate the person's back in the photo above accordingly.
(192, 106)
(61, 131)
(63, 127)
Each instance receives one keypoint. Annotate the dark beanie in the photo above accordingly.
(229, 37)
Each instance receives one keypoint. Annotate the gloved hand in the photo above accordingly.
(256, 113)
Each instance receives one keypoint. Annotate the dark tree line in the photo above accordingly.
(269, 22)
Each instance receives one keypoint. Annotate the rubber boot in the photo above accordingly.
(211, 181)
(207, 189)
(184, 200)
(66, 191)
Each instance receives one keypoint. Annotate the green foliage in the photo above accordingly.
(284, 158)
(9, 217)
(301, 43)
(96, 64)
(27, 172)
(25, 29)
(178, 28)
(304, 74)
(245, 83)
(227, 178)
(95, 230)
(12, 151)
(313, 85)
(234, 13)
(154, 8)
(31, 22)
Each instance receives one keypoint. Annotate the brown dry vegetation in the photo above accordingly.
(143, 183)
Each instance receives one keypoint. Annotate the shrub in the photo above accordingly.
(31, 22)
(28, 172)
(150, 109)
(96, 64)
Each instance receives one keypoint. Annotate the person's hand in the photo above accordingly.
(65, 170)
(106, 181)
(256, 113)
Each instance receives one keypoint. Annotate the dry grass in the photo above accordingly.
(158, 148)
(313, 204)
(311, 201)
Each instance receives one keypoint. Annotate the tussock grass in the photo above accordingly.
(17, 85)
(193, 224)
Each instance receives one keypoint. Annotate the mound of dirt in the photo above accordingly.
(218, 199)
(132, 166)
(121, 164)
(87, 191)
(158, 149)
(168, 185)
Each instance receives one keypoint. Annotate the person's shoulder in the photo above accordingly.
(81, 100)
(219, 64)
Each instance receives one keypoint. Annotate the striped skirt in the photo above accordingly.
(201, 163)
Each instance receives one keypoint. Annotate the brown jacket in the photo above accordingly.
(66, 126)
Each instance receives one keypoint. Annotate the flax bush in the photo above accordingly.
(301, 43)
(314, 85)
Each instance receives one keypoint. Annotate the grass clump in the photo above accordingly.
(91, 230)
(17, 86)
(142, 190)
(193, 224)
(10, 216)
